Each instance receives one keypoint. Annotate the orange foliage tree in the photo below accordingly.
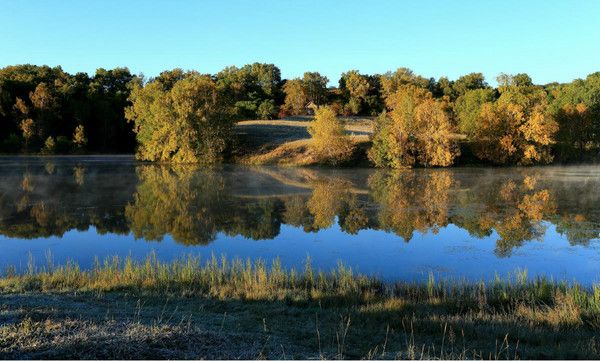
(417, 129)
(516, 128)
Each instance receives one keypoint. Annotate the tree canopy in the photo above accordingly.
(189, 122)
(185, 116)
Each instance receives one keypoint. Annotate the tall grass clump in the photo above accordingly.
(539, 299)
(190, 275)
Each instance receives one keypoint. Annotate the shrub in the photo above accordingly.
(329, 140)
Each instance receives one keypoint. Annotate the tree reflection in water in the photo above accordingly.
(192, 205)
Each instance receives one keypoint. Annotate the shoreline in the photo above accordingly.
(245, 163)
(222, 309)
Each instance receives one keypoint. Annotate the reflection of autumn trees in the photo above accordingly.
(326, 200)
(193, 205)
(514, 207)
(412, 200)
(255, 220)
(330, 197)
(179, 201)
(45, 199)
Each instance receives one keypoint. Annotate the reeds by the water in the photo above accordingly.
(347, 314)
(222, 278)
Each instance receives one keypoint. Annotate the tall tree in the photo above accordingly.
(468, 107)
(355, 87)
(315, 87)
(295, 97)
(576, 108)
(189, 123)
(517, 128)
(391, 82)
(417, 130)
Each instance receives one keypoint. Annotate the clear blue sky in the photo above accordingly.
(550, 40)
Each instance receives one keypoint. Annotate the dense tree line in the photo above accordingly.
(189, 117)
(44, 109)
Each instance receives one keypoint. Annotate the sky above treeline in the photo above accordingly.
(550, 40)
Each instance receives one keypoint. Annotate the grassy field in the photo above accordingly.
(286, 141)
(220, 308)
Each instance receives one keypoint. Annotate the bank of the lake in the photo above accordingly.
(234, 309)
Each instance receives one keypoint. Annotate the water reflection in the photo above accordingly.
(43, 198)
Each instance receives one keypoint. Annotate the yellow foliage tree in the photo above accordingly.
(329, 141)
(416, 130)
(516, 129)
(28, 128)
(79, 138)
(190, 122)
(295, 97)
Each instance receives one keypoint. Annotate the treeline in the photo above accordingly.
(189, 117)
(48, 110)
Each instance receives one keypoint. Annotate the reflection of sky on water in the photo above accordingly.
(452, 253)
(458, 223)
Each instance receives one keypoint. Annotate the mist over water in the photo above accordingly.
(460, 223)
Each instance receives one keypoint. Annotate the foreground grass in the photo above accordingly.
(234, 309)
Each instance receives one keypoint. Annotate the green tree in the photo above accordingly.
(468, 107)
(250, 86)
(267, 109)
(315, 87)
(188, 123)
(472, 81)
(576, 108)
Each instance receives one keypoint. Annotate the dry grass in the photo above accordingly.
(286, 142)
(234, 309)
(293, 153)
(354, 126)
(110, 339)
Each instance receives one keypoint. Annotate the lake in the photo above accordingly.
(460, 223)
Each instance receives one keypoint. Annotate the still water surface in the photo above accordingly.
(468, 223)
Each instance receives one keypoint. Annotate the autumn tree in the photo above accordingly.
(187, 123)
(516, 128)
(329, 141)
(416, 130)
(79, 138)
(295, 97)
(49, 146)
(392, 81)
(28, 128)
(44, 103)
